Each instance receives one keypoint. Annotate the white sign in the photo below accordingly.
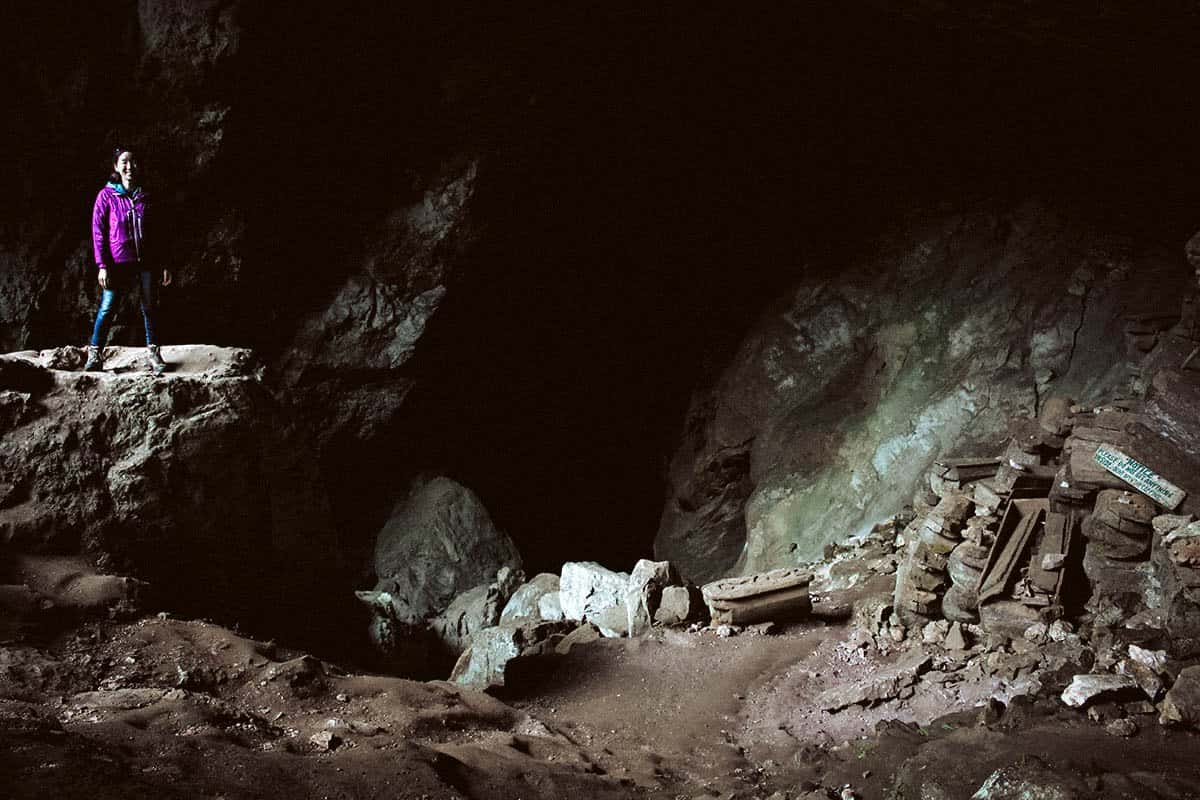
(1141, 477)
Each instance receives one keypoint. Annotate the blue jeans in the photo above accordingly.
(122, 278)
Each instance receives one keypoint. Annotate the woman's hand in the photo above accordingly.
(103, 278)
(166, 277)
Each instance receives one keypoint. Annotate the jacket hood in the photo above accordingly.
(119, 188)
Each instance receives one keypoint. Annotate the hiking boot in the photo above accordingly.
(156, 361)
(95, 360)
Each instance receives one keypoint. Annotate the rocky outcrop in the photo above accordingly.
(352, 277)
(844, 394)
(192, 483)
(345, 362)
(439, 543)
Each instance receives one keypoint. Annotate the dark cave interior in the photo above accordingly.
(868, 322)
(651, 178)
(661, 176)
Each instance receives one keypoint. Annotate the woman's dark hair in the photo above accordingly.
(113, 176)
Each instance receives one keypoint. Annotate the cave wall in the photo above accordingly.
(838, 401)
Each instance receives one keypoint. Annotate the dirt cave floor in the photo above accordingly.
(171, 708)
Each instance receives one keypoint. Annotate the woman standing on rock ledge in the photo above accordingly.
(119, 248)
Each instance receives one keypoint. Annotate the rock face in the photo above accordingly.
(192, 483)
(848, 389)
(438, 544)
(346, 360)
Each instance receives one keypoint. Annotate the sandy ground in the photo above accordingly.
(173, 708)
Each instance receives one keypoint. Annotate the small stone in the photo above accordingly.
(897, 633)
(1146, 677)
(676, 606)
(326, 740)
(725, 631)
(955, 639)
(1152, 659)
(1038, 633)
(1060, 630)
(990, 713)
(342, 697)
(935, 632)
(1052, 562)
(1123, 727)
(644, 593)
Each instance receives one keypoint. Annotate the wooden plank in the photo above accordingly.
(966, 469)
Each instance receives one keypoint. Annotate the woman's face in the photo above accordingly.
(126, 166)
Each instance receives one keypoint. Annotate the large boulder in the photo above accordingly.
(587, 590)
(438, 543)
(193, 483)
(853, 383)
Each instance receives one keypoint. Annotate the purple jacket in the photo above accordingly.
(117, 220)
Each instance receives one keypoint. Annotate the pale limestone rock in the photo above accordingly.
(1085, 688)
(525, 602)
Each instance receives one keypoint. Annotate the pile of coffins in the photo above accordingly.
(1066, 523)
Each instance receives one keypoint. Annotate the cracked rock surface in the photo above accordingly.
(852, 384)
(193, 483)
